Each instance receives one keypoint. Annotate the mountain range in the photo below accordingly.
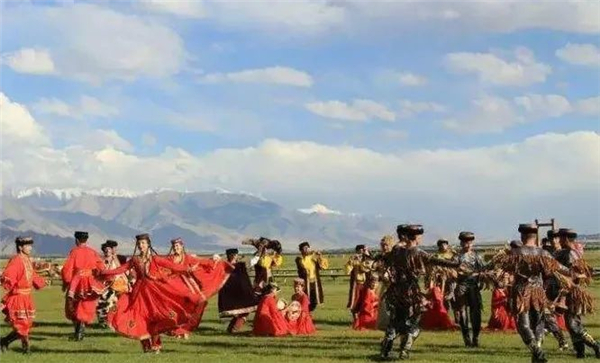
(207, 221)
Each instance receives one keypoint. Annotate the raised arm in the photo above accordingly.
(433, 260)
(175, 267)
(119, 270)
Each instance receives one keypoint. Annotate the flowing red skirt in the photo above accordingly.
(366, 317)
(153, 307)
(436, 317)
(501, 319)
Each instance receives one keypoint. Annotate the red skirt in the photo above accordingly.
(153, 307)
(268, 320)
(436, 317)
(19, 310)
(501, 319)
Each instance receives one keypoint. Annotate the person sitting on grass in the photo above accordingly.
(298, 313)
(269, 320)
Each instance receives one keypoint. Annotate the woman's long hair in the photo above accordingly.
(152, 250)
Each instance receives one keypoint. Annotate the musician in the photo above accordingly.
(116, 286)
(309, 266)
(267, 256)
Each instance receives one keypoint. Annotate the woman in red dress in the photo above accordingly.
(154, 305)
(367, 307)
(501, 319)
(436, 317)
(205, 282)
(19, 279)
(300, 322)
(268, 319)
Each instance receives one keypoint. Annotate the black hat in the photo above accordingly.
(271, 286)
(516, 244)
(109, 243)
(442, 241)
(528, 228)
(177, 240)
(552, 233)
(81, 235)
(232, 251)
(302, 245)
(466, 236)
(401, 228)
(414, 230)
(567, 232)
(359, 247)
(142, 236)
(22, 241)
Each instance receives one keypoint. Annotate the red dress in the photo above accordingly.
(367, 310)
(303, 324)
(154, 305)
(83, 288)
(436, 317)
(19, 278)
(500, 319)
(205, 282)
(268, 320)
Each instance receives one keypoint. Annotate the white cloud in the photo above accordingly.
(319, 209)
(30, 60)
(580, 54)
(490, 68)
(359, 110)
(273, 75)
(94, 43)
(487, 114)
(542, 106)
(411, 79)
(410, 108)
(88, 106)
(589, 106)
(185, 9)
(148, 139)
(17, 126)
(103, 139)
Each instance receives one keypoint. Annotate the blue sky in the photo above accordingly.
(269, 91)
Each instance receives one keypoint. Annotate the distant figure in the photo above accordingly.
(359, 268)
(309, 267)
(367, 307)
(382, 267)
(501, 319)
(82, 287)
(554, 320)
(267, 256)
(269, 320)
(237, 298)
(298, 313)
(18, 279)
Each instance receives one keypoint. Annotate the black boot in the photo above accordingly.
(475, 342)
(146, 345)
(537, 354)
(25, 345)
(81, 332)
(579, 349)
(386, 349)
(467, 338)
(594, 344)
(403, 351)
(5, 341)
(560, 338)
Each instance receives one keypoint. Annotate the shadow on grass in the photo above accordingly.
(53, 324)
(64, 351)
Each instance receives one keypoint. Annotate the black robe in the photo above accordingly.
(237, 295)
(313, 290)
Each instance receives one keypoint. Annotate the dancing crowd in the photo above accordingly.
(534, 289)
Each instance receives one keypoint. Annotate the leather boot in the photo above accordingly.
(537, 354)
(80, 332)
(9, 338)
(146, 345)
(560, 338)
(25, 345)
(579, 349)
(404, 352)
(594, 344)
(467, 338)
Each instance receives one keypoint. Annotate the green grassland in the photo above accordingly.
(334, 342)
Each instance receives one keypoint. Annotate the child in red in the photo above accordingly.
(298, 315)
(501, 319)
(436, 317)
(268, 319)
(366, 311)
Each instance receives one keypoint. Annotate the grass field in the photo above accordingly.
(334, 342)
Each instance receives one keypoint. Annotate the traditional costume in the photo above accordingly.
(359, 267)
(367, 307)
(116, 286)
(298, 313)
(382, 266)
(267, 256)
(205, 281)
(237, 298)
(19, 279)
(436, 316)
(309, 268)
(269, 320)
(404, 296)
(578, 301)
(154, 305)
(83, 288)
(467, 294)
(501, 319)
